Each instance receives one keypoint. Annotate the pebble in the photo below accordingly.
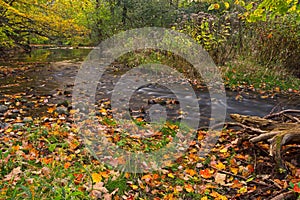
(27, 119)
(62, 110)
(3, 108)
(15, 111)
(3, 125)
(19, 124)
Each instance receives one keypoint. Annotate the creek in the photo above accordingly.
(51, 71)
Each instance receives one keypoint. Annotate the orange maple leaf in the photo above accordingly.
(188, 188)
(205, 173)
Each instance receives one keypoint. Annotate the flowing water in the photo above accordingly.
(49, 71)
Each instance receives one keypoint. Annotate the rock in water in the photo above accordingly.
(3, 108)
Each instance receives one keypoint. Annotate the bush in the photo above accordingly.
(277, 42)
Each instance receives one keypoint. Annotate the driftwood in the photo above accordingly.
(278, 133)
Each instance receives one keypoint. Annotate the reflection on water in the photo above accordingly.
(49, 55)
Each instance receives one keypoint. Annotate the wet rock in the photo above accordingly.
(3, 108)
(15, 111)
(27, 119)
(70, 85)
(63, 103)
(3, 125)
(19, 125)
(29, 104)
(67, 92)
(62, 110)
(13, 115)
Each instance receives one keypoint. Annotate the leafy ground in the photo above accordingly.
(44, 158)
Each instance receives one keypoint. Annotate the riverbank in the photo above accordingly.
(246, 75)
(43, 157)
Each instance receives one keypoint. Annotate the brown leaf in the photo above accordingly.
(220, 178)
(14, 174)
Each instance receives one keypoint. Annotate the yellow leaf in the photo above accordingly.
(226, 5)
(96, 177)
(8, 130)
(204, 198)
(171, 175)
(134, 187)
(277, 89)
(242, 190)
(188, 188)
(51, 109)
(73, 112)
(217, 196)
(224, 150)
(19, 133)
(234, 170)
(293, 8)
(220, 166)
(178, 189)
(103, 111)
(190, 172)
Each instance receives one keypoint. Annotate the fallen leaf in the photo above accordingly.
(78, 178)
(188, 188)
(220, 166)
(205, 173)
(171, 175)
(296, 188)
(190, 172)
(134, 187)
(46, 171)
(236, 184)
(234, 170)
(67, 165)
(98, 190)
(13, 175)
(96, 177)
(220, 178)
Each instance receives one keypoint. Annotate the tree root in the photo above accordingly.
(277, 133)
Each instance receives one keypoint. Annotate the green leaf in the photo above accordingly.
(249, 6)
(249, 179)
(211, 7)
(52, 147)
(76, 193)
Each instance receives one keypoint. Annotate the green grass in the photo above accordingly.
(247, 74)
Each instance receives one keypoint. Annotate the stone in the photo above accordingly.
(27, 119)
(3, 108)
(62, 110)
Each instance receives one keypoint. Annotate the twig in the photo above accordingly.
(285, 195)
(245, 127)
(241, 177)
(281, 112)
(264, 136)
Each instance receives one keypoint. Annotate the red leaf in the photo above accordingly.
(297, 188)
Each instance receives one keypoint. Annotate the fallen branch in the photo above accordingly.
(280, 113)
(285, 195)
(264, 136)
